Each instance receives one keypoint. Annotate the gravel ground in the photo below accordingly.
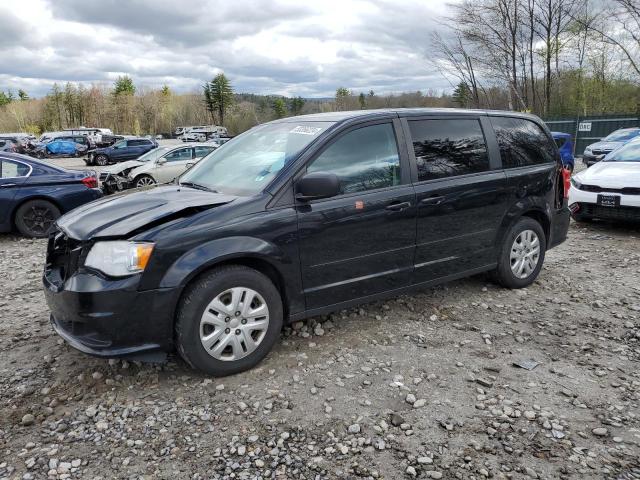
(420, 386)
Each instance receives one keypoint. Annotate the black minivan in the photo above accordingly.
(300, 217)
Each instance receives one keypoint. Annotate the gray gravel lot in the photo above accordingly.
(420, 386)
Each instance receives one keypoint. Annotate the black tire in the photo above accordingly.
(582, 218)
(101, 160)
(143, 181)
(35, 218)
(503, 273)
(195, 300)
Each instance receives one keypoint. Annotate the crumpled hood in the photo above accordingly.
(119, 215)
(606, 146)
(119, 167)
(611, 175)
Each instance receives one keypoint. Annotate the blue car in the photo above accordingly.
(564, 141)
(33, 194)
(127, 149)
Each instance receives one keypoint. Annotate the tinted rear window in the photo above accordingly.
(522, 143)
(447, 148)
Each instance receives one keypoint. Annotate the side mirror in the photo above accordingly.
(161, 161)
(317, 185)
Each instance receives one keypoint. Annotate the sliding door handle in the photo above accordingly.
(397, 207)
(434, 200)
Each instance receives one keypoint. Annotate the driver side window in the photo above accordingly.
(363, 159)
(177, 155)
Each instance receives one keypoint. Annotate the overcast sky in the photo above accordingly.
(278, 46)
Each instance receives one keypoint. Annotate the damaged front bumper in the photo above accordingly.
(113, 183)
(105, 316)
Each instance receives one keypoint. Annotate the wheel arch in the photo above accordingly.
(532, 211)
(255, 253)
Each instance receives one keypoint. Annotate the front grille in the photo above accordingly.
(630, 214)
(600, 152)
(63, 257)
(597, 189)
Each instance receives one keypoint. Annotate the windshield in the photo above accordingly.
(246, 165)
(627, 153)
(621, 135)
(153, 154)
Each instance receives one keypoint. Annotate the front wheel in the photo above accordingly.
(521, 255)
(144, 181)
(101, 160)
(35, 218)
(228, 320)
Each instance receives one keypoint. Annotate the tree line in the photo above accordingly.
(550, 57)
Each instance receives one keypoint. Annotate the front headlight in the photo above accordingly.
(587, 150)
(119, 258)
(576, 183)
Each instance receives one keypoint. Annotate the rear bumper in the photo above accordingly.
(111, 318)
(559, 227)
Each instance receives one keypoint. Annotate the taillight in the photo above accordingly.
(90, 182)
(566, 180)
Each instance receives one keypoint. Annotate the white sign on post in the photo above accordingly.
(584, 127)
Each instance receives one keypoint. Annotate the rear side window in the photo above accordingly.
(522, 143)
(363, 159)
(10, 169)
(447, 148)
(202, 151)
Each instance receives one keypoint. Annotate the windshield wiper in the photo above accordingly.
(197, 186)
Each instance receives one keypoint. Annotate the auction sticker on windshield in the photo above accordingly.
(306, 130)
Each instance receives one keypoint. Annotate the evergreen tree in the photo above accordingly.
(218, 96)
(279, 107)
(462, 95)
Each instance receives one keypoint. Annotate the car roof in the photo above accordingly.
(398, 112)
(29, 160)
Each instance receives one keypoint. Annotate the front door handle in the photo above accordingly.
(397, 207)
(434, 200)
(8, 185)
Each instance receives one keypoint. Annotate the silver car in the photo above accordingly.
(160, 165)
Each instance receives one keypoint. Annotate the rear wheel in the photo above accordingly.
(521, 255)
(144, 181)
(228, 320)
(101, 160)
(35, 218)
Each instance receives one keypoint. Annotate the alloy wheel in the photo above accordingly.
(39, 219)
(525, 254)
(234, 324)
(145, 182)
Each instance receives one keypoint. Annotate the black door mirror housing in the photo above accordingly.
(317, 185)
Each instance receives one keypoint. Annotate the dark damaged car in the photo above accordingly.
(300, 217)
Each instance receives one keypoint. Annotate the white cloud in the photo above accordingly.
(278, 46)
